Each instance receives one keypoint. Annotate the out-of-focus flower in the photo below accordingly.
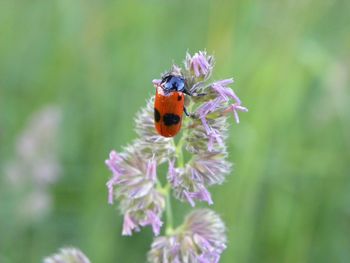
(36, 149)
(35, 165)
(67, 255)
(35, 204)
(201, 238)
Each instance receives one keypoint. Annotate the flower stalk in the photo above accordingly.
(169, 212)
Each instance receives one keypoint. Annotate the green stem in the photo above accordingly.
(178, 151)
(169, 229)
(169, 212)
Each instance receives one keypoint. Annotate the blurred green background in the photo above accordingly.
(288, 199)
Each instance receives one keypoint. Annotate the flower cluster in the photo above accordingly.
(140, 202)
(68, 255)
(134, 181)
(196, 160)
(201, 238)
(198, 67)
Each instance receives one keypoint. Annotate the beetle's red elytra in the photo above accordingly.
(169, 105)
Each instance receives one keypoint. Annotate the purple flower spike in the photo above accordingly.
(153, 220)
(201, 238)
(114, 158)
(113, 164)
(225, 92)
(214, 135)
(142, 197)
(128, 225)
(189, 198)
(110, 185)
(205, 125)
(200, 64)
(174, 175)
(209, 107)
(133, 184)
(234, 108)
(205, 169)
(171, 171)
(152, 170)
(204, 195)
(211, 114)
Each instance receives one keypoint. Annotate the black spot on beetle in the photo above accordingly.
(179, 97)
(156, 115)
(171, 119)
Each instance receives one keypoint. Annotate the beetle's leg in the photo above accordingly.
(187, 92)
(191, 115)
(185, 111)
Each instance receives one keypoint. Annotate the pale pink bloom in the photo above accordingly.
(133, 184)
(129, 225)
(68, 255)
(201, 238)
(234, 108)
(200, 64)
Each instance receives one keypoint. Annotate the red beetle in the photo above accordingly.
(169, 105)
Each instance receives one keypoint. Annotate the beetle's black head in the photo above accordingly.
(173, 83)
